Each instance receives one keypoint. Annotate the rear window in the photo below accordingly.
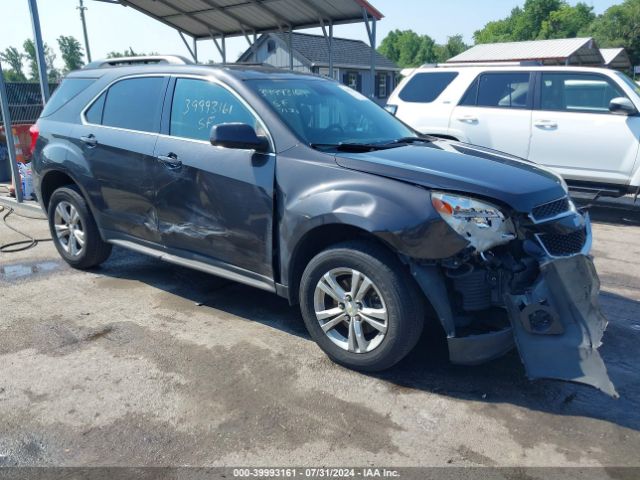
(68, 89)
(134, 104)
(426, 87)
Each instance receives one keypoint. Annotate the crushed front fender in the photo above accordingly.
(558, 325)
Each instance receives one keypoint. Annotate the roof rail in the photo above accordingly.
(140, 60)
(523, 63)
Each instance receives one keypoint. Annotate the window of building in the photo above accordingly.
(353, 80)
(426, 87)
(271, 46)
(577, 92)
(135, 104)
(381, 85)
(198, 105)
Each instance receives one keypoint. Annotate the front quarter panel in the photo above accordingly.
(316, 192)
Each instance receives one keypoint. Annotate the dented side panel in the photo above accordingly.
(558, 325)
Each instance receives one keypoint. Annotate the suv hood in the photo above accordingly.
(464, 168)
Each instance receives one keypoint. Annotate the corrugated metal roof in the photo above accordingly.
(616, 57)
(576, 50)
(204, 18)
(346, 52)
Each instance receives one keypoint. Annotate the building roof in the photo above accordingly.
(205, 18)
(616, 58)
(313, 48)
(574, 50)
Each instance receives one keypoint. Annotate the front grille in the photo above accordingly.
(551, 209)
(564, 245)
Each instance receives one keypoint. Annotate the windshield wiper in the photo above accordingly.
(354, 147)
(409, 140)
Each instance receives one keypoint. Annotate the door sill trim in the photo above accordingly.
(195, 264)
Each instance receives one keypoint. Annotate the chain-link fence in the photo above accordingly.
(25, 101)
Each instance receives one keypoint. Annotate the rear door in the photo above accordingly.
(117, 137)
(575, 133)
(495, 112)
(214, 203)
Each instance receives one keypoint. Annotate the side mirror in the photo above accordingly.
(622, 106)
(238, 135)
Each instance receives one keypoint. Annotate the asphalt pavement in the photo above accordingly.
(144, 363)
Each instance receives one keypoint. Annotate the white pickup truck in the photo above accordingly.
(582, 122)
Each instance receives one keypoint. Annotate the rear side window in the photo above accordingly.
(577, 92)
(135, 104)
(68, 89)
(426, 87)
(502, 90)
(94, 113)
(199, 105)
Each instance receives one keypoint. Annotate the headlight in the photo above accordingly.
(483, 225)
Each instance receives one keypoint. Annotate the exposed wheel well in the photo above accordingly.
(316, 241)
(51, 182)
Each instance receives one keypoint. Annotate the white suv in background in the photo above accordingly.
(582, 122)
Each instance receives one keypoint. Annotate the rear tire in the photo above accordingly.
(74, 230)
(370, 327)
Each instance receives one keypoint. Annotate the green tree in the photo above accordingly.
(49, 58)
(454, 46)
(13, 58)
(567, 22)
(71, 52)
(408, 49)
(619, 26)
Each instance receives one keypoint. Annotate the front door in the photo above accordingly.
(213, 203)
(496, 113)
(117, 139)
(575, 133)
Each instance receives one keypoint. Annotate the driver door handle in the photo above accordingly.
(170, 161)
(468, 119)
(548, 124)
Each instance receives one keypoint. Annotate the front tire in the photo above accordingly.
(74, 230)
(360, 306)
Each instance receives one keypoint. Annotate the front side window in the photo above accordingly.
(426, 87)
(134, 104)
(328, 113)
(503, 90)
(199, 105)
(571, 92)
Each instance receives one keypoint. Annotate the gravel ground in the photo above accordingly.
(143, 363)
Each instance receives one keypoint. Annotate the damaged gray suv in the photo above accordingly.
(301, 186)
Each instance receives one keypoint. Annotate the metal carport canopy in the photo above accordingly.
(229, 18)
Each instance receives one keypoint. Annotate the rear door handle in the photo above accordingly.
(170, 161)
(548, 124)
(89, 140)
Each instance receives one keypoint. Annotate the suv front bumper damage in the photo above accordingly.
(556, 324)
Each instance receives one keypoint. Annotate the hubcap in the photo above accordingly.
(351, 310)
(69, 229)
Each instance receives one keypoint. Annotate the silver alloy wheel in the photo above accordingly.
(69, 228)
(351, 310)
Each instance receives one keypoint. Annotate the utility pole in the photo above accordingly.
(82, 8)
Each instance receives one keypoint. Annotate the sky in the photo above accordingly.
(114, 27)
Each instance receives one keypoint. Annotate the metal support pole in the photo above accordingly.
(195, 49)
(224, 50)
(6, 116)
(82, 8)
(42, 66)
(186, 44)
(373, 57)
(331, 49)
(290, 49)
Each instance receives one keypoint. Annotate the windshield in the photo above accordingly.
(634, 86)
(323, 112)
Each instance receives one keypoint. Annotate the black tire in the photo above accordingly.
(95, 251)
(404, 303)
